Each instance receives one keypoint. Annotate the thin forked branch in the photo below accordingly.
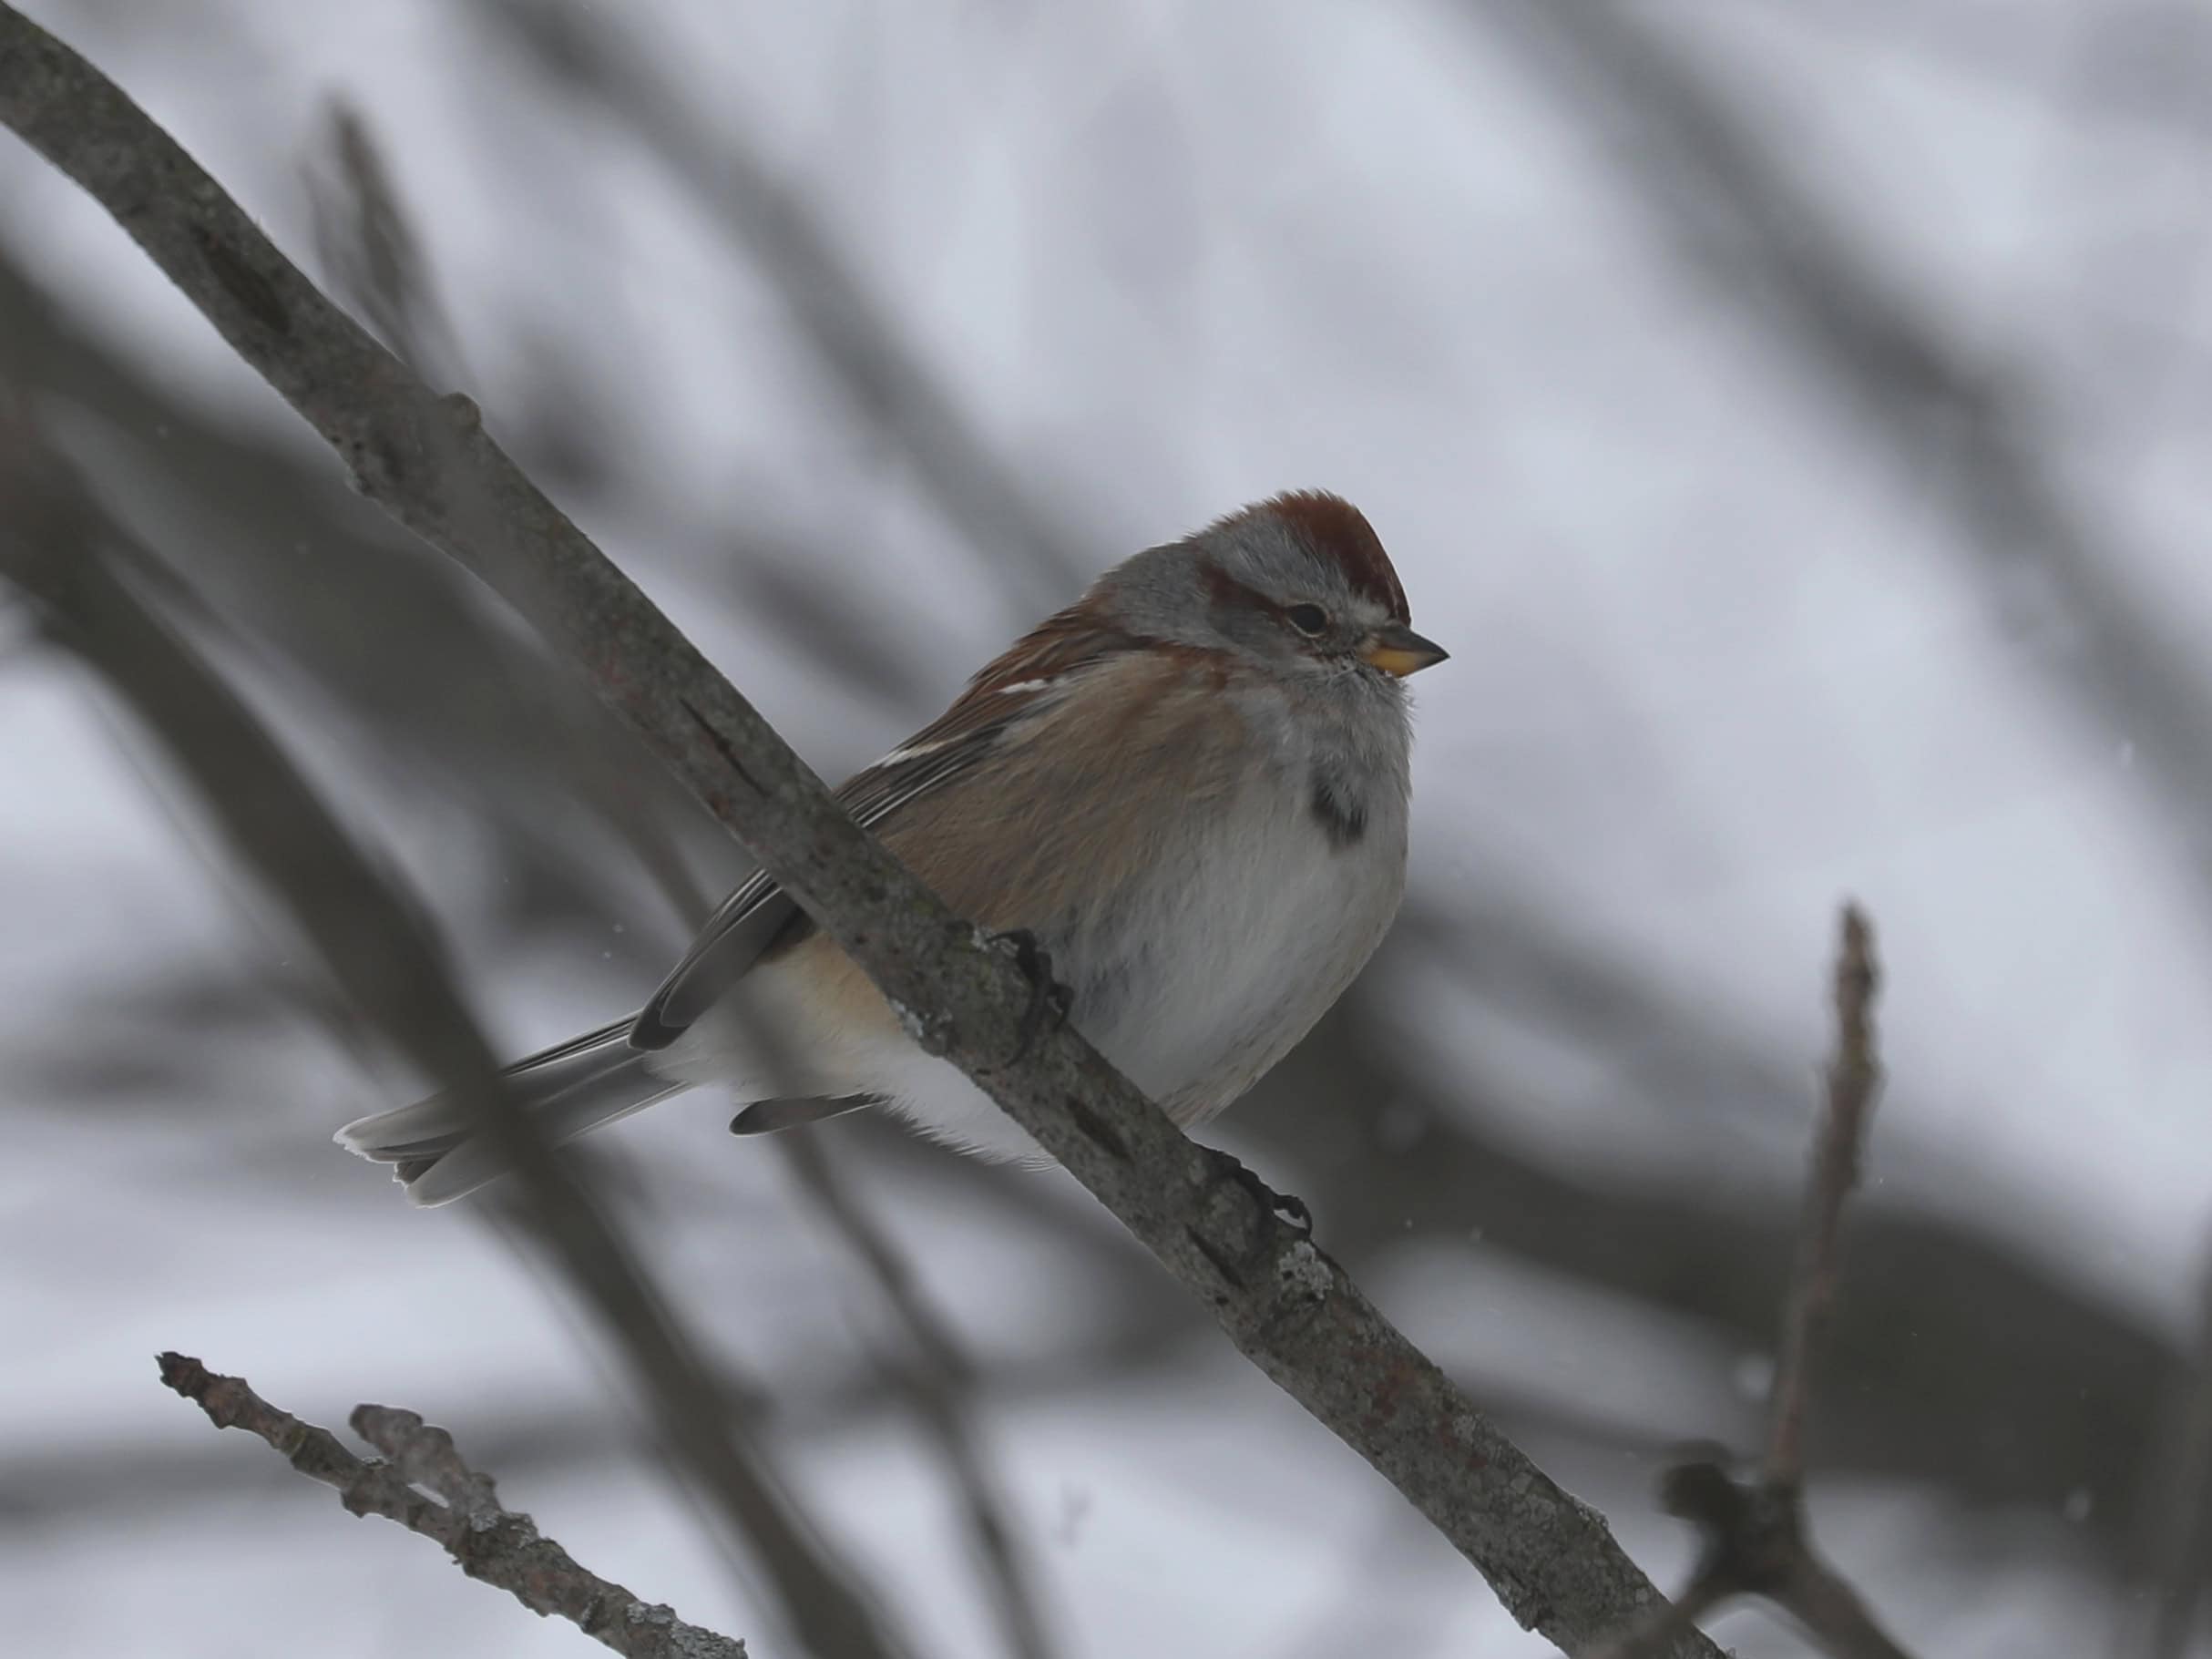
(421, 1483)
(1755, 1540)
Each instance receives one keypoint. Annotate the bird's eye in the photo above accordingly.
(1308, 619)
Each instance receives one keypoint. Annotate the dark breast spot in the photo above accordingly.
(1341, 814)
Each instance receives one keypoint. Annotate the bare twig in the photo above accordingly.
(499, 1546)
(1288, 1307)
(1754, 1537)
(392, 967)
(1853, 1075)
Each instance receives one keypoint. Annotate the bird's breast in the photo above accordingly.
(1219, 956)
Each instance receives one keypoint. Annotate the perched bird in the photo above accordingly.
(1189, 789)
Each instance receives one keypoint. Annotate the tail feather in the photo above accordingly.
(567, 1091)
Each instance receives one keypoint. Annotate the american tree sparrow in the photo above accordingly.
(1189, 789)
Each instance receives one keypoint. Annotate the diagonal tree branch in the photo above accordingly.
(488, 1543)
(426, 460)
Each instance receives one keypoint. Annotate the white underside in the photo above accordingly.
(1193, 998)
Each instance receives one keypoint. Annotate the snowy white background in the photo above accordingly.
(1725, 648)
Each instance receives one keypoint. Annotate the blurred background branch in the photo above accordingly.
(2175, 1525)
(1031, 563)
(385, 959)
(939, 1383)
(1956, 417)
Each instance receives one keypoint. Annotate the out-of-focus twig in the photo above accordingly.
(938, 1385)
(1755, 1541)
(497, 1545)
(2177, 1525)
(1942, 411)
(503, 735)
(863, 352)
(2138, 70)
(391, 964)
(1288, 1307)
(367, 241)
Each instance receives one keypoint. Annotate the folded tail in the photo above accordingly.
(567, 1091)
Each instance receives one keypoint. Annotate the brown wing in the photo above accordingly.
(1027, 679)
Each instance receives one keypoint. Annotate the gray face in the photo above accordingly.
(1255, 587)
